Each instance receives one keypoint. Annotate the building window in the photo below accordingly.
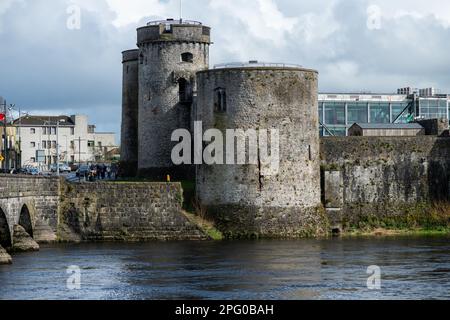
(53, 144)
(397, 109)
(91, 129)
(220, 100)
(141, 58)
(33, 144)
(32, 131)
(168, 28)
(187, 57)
(72, 131)
(44, 144)
(433, 108)
(53, 131)
(49, 144)
(99, 144)
(357, 113)
(379, 113)
(72, 159)
(72, 144)
(334, 113)
(32, 160)
(91, 144)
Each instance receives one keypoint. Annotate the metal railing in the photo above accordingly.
(172, 21)
(255, 64)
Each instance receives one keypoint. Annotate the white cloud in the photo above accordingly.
(129, 12)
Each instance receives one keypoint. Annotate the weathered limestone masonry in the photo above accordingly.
(385, 181)
(49, 209)
(130, 112)
(169, 56)
(250, 200)
(31, 202)
(124, 212)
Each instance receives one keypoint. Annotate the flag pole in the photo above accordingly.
(5, 139)
(181, 11)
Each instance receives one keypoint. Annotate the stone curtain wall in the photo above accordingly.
(386, 181)
(124, 212)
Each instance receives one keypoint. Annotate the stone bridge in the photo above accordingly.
(29, 202)
(47, 209)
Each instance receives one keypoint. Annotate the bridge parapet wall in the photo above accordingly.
(35, 197)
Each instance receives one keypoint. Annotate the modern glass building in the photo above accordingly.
(339, 111)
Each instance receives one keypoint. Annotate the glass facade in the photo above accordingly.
(357, 112)
(338, 112)
(433, 108)
(397, 109)
(379, 112)
(334, 112)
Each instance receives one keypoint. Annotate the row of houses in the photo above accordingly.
(41, 141)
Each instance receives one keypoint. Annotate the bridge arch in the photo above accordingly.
(5, 233)
(26, 218)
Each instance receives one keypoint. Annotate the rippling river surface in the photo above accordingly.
(411, 268)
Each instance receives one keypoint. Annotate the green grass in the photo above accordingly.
(207, 226)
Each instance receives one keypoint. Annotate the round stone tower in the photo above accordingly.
(130, 111)
(171, 52)
(254, 198)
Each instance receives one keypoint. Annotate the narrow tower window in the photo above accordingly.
(168, 28)
(187, 57)
(220, 100)
(185, 91)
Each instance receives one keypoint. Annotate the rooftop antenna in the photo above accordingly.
(181, 11)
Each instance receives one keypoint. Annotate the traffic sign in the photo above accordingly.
(1, 158)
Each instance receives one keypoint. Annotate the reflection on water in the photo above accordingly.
(412, 268)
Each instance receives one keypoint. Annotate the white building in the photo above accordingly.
(38, 137)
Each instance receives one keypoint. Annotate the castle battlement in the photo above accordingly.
(174, 30)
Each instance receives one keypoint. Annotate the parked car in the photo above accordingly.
(62, 168)
(82, 171)
(21, 171)
(34, 171)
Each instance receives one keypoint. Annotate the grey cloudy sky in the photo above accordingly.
(356, 45)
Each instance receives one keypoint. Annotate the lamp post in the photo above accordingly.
(57, 145)
(5, 137)
(67, 151)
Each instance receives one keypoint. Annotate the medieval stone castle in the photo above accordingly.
(320, 185)
(167, 85)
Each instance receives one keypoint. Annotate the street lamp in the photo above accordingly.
(5, 137)
(57, 144)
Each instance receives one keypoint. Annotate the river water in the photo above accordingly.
(411, 268)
